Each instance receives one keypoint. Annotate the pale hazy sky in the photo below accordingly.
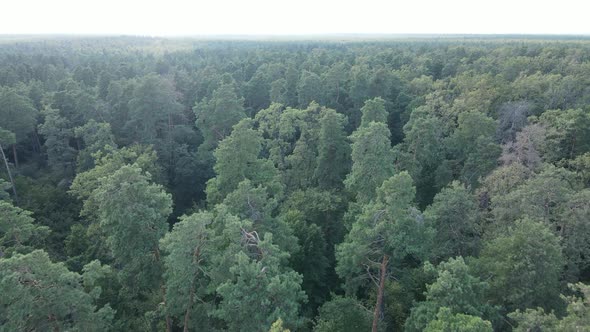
(197, 17)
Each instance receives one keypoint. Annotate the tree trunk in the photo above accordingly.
(15, 155)
(188, 310)
(380, 292)
(163, 288)
(9, 174)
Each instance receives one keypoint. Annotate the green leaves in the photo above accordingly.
(18, 230)
(523, 267)
(258, 293)
(216, 117)
(372, 161)
(40, 295)
(455, 294)
(188, 250)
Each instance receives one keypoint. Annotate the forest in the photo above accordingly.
(412, 184)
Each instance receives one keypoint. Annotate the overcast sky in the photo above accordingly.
(278, 17)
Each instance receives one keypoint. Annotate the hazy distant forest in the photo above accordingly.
(187, 185)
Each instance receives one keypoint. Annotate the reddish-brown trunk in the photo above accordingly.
(382, 276)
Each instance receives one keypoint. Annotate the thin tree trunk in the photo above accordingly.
(9, 174)
(163, 288)
(188, 310)
(380, 292)
(15, 155)
(36, 140)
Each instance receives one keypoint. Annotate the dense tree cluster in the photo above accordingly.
(418, 185)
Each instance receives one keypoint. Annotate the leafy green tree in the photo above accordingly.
(18, 116)
(18, 229)
(553, 197)
(7, 138)
(107, 163)
(151, 109)
(256, 205)
(390, 228)
(301, 164)
(333, 161)
(447, 322)
(533, 320)
(4, 187)
(373, 111)
(309, 88)
(311, 260)
(188, 250)
(455, 216)
(39, 295)
(97, 136)
(568, 133)
(473, 146)
(58, 132)
(372, 161)
(576, 319)
(456, 291)
(237, 159)
(132, 213)
(216, 117)
(316, 219)
(76, 102)
(523, 267)
(422, 154)
(259, 291)
(344, 314)
(277, 326)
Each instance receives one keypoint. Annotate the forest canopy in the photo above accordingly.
(427, 184)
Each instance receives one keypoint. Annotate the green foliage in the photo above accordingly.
(4, 188)
(344, 314)
(447, 322)
(106, 164)
(523, 267)
(422, 154)
(256, 205)
(7, 137)
(39, 295)
(151, 109)
(389, 226)
(311, 260)
(17, 113)
(18, 230)
(132, 213)
(215, 117)
(333, 161)
(455, 216)
(493, 134)
(258, 291)
(472, 144)
(237, 159)
(58, 131)
(309, 88)
(451, 299)
(188, 250)
(97, 137)
(372, 161)
(577, 317)
(568, 133)
(373, 111)
(277, 326)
